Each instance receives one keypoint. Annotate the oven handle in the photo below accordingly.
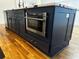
(36, 18)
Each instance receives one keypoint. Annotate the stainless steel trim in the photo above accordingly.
(35, 18)
(44, 24)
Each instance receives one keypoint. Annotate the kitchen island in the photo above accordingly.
(48, 28)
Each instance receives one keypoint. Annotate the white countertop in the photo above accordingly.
(48, 4)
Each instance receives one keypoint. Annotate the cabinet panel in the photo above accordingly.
(10, 23)
(70, 26)
(60, 27)
(9, 14)
(19, 16)
(40, 45)
(13, 24)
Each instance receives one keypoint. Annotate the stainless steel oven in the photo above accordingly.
(36, 22)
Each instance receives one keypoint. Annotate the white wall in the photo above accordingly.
(5, 4)
(27, 3)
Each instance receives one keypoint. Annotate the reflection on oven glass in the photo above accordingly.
(34, 24)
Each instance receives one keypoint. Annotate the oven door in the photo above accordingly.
(36, 25)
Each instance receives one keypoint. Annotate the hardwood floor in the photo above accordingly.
(14, 47)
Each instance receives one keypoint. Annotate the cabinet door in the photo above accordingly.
(10, 23)
(60, 25)
(22, 27)
(9, 17)
(22, 23)
(16, 25)
(13, 24)
(70, 26)
(18, 14)
(60, 28)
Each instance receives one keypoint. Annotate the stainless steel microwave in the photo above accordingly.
(36, 22)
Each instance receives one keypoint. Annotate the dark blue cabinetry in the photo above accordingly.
(14, 18)
(58, 30)
(9, 19)
(62, 28)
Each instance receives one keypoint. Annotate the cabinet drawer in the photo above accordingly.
(40, 45)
